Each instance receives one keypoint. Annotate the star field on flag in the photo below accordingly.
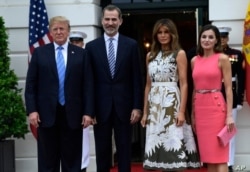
(38, 25)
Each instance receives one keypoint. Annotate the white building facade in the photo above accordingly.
(85, 15)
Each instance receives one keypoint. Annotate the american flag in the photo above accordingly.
(38, 32)
(38, 25)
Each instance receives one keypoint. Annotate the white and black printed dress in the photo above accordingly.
(168, 147)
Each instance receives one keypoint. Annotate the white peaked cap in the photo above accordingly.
(77, 34)
(224, 30)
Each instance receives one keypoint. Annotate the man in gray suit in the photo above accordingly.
(59, 99)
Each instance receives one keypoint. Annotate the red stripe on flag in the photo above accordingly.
(41, 42)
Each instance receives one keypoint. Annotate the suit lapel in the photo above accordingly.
(52, 59)
(104, 54)
(120, 53)
(70, 58)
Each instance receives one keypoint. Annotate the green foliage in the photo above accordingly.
(12, 111)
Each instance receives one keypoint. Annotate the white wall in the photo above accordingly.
(232, 13)
(83, 15)
(229, 13)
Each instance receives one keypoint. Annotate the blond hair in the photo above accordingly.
(58, 19)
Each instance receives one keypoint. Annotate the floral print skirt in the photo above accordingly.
(168, 147)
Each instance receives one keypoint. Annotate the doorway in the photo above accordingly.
(139, 25)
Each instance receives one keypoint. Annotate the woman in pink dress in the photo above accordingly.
(211, 112)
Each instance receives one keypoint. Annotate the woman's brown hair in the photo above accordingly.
(156, 45)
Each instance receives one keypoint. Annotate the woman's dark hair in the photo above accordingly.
(217, 47)
(174, 43)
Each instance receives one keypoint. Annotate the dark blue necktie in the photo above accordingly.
(111, 57)
(61, 75)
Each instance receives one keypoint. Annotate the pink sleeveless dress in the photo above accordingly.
(209, 109)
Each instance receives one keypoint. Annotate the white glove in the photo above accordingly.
(239, 107)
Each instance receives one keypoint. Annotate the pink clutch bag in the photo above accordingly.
(224, 136)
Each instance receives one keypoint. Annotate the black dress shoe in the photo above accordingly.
(230, 169)
(83, 170)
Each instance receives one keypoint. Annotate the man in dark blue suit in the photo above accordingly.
(59, 105)
(118, 90)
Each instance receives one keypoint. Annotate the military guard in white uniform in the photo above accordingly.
(238, 78)
(77, 38)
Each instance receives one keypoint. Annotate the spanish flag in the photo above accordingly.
(246, 51)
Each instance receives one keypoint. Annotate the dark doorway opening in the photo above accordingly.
(139, 25)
